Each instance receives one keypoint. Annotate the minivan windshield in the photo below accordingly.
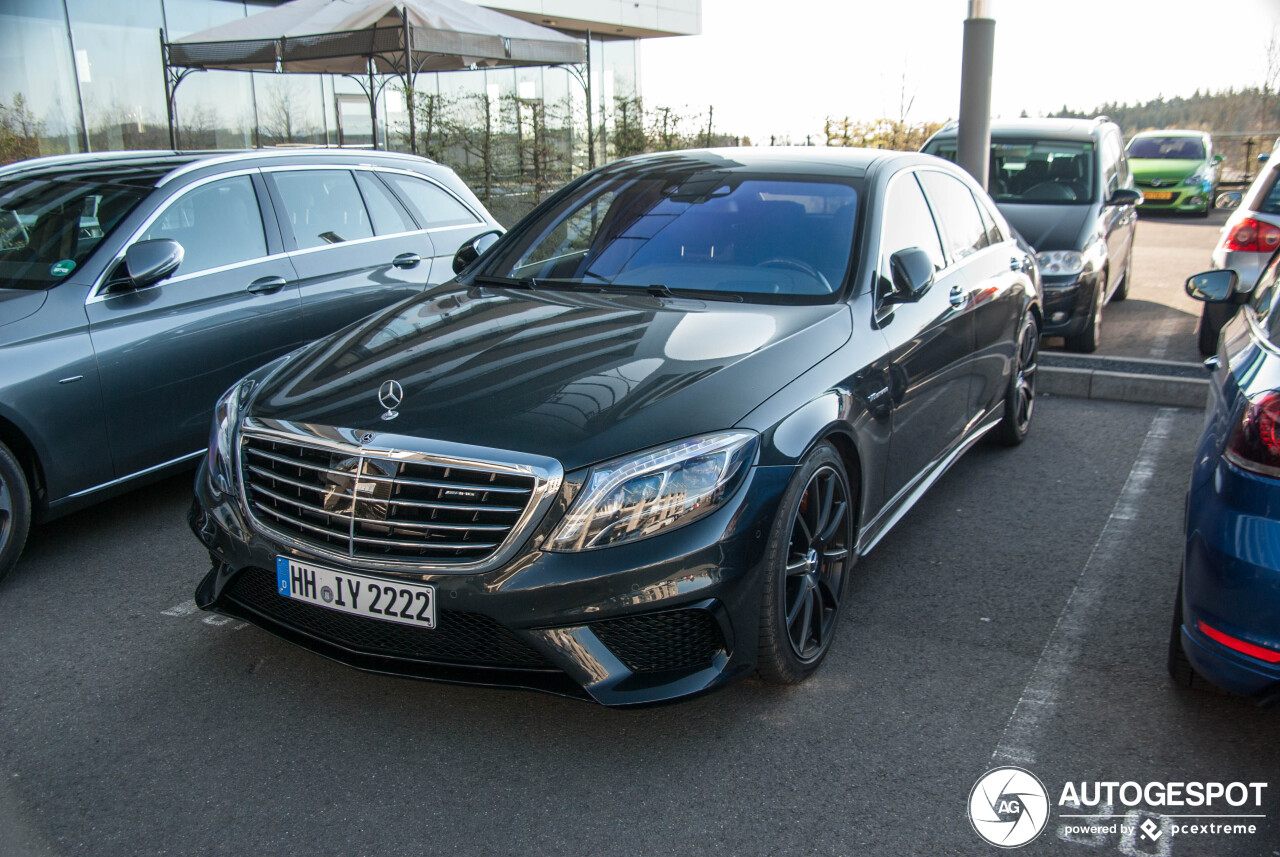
(1037, 172)
(765, 238)
(1169, 148)
(49, 227)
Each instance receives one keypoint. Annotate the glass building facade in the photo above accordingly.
(86, 76)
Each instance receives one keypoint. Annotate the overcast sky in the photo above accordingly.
(782, 66)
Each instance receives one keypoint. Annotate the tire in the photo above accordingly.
(1020, 398)
(15, 510)
(810, 554)
(1213, 317)
(1122, 291)
(1180, 669)
(1086, 341)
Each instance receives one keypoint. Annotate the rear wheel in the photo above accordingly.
(1020, 398)
(809, 557)
(1180, 669)
(15, 510)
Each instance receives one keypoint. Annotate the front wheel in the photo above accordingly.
(1020, 398)
(1087, 340)
(15, 510)
(809, 556)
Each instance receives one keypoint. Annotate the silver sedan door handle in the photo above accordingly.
(959, 297)
(406, 260)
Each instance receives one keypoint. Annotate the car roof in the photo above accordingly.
(1052, 129)
(834, 161)
(157, 168)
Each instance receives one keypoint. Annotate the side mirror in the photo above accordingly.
(1228, 199)
(912, 271)
(1125, 196)
(1213, 286)
(474, 248)
(149, 262)
(1264, 157)
(1219, 158)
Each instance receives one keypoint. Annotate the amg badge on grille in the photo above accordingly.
(390, 395)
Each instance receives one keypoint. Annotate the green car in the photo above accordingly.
(1175, 170)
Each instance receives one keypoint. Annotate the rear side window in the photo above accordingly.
(217, 224)
(1269, 202)
(908, 223)
(432, 206)
(963, 232)
(386, 212)
(323, 207)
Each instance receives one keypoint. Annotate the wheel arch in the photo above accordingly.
(29, 459)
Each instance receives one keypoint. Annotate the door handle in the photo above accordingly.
(959, 297)
(1015, 264)
(267, 285)
(406, 260)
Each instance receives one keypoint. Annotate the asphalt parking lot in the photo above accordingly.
(1018, 615)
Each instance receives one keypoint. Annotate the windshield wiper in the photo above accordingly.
(505, 282)
(657, 290)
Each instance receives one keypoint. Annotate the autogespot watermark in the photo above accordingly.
(1009, 807)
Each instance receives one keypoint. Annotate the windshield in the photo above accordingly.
(1170, 148)
(48, 227)
(759, 238)
(1039, 172)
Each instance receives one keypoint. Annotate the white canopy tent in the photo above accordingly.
(366, 39)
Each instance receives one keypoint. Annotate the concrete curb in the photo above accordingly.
(1123, 386)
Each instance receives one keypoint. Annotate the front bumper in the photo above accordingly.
(1190, 198)
(1068, 303)
(1232, 580)
(633, 624)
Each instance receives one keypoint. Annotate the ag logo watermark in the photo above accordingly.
(1008, 807)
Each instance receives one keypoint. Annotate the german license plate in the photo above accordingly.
(1157, 195)
(377, 598)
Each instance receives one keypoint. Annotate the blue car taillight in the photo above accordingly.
(1254, 444)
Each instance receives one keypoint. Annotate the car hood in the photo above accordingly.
(1051, 227)
(579, 377)
(1146, 169)
(17, 304)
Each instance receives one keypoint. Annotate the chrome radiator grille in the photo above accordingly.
(395, 508)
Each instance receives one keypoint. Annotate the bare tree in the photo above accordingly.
(19, 131)
(284, 117)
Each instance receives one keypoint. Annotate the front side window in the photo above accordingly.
(953, 205)
(1167, 148)
(217, 224)
(323, 207)
(765, 238)
(908, 223)
(48, 227)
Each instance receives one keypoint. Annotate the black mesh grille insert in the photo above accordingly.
(459, 638)
(677, 640)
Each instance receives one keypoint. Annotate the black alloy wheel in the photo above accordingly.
(15, 510)
(1020, 399)
(811, 551)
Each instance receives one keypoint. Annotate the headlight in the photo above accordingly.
(226, 414)
(1059, 263)
(1196, 178)
(650, 492)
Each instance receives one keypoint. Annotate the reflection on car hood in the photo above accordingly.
(1146, 169)
(1051, 227)
(17, 304)
(580, 377)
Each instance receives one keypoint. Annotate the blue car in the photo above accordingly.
(1226, 622)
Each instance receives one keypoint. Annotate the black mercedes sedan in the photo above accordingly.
(636, 449)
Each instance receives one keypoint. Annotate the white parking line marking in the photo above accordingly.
(1162, 337)
(1040, 696)
(186, 608)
